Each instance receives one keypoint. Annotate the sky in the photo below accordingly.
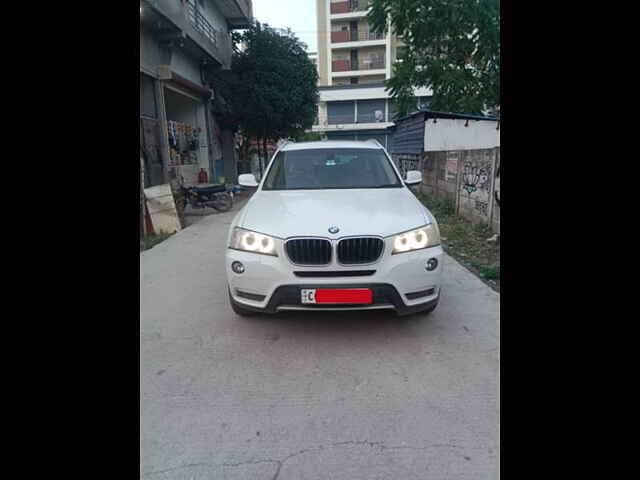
(298, 15)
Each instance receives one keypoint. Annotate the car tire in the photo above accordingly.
(239, 310)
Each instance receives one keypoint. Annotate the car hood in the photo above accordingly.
(290, 213)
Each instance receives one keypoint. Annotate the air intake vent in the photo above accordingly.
(340, 273)
(360, 250)
(309, 251)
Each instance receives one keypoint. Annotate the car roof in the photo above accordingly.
(330, 144)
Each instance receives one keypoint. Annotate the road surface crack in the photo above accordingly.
(380, 445)
(280, 462)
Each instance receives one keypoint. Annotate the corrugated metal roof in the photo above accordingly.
(447, 115)
(408, 136)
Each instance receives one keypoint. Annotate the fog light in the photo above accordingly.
(432, 264)
(237, 267)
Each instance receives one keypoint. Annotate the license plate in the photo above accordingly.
(336, 295)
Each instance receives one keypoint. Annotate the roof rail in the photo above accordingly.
(373, 140)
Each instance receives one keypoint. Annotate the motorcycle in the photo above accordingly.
(214, 196)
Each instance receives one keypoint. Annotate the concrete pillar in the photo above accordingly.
(229, 158)
(209, 122)
(162, 125)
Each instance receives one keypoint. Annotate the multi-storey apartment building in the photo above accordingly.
(353, 63)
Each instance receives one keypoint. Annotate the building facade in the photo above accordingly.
(353, 64)
(182, 44)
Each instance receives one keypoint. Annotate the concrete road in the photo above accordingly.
(310, 396)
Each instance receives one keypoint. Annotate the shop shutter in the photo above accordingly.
(341, 112)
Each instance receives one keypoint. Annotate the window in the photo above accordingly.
(331, 168)
(354, 80)
(341, 112)
(371, 111)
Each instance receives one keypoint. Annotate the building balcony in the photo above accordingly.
(365, 66)
(239, 13)
(196, 33)
(350, 6)
(346, 36)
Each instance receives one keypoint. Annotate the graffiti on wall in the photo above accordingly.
(476, 177)
(482, 207)
(407, 163)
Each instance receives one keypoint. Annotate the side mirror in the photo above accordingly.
(414, 177)
(247, 180)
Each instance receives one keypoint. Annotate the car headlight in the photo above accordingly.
(417, 239)
(249, 241)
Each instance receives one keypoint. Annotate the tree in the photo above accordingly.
(271, 91)
(310, 137)
(453, 47)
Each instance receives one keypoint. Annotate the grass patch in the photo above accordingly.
(152, 240)
(491, 272)
(466, 241)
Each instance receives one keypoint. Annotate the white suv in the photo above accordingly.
(332, 226)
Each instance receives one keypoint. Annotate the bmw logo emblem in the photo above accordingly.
(333, 229)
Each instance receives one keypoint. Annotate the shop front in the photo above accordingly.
(188, 135)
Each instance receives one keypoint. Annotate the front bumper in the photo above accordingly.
(270, 284)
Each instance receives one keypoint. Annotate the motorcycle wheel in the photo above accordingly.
(223, 202)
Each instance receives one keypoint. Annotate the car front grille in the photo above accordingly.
(359, 250)
(309, 251)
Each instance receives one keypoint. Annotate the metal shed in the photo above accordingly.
(407, 137)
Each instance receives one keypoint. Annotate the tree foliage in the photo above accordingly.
(310, 137)
(453, 47)
(271, 91)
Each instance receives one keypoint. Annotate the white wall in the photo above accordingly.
(453, 135)
(363, 93)
(353, 94)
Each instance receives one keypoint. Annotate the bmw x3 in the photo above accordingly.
(332, 225)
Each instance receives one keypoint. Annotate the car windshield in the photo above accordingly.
(328, 168)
